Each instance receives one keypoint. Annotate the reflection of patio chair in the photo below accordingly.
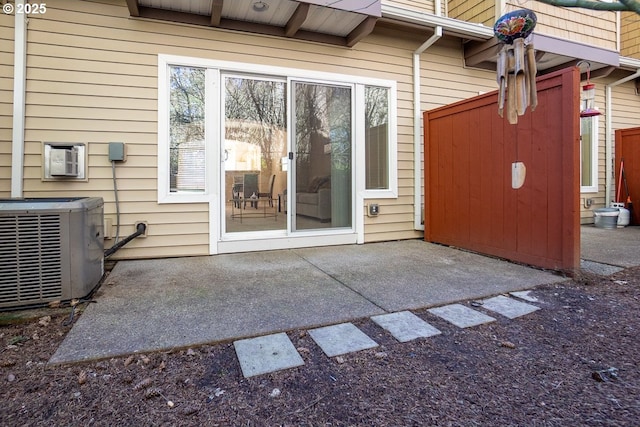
(250, 184)
(237, 190)
(269, 194)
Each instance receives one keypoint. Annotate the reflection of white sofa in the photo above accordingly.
(316, 202)
(316, 205)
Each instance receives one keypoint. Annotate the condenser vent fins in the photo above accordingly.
(30, 259)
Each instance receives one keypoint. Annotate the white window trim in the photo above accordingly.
(392, 191)
(593, 188)
(211, 123)
(212, 120)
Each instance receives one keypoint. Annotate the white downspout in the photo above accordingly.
(609, 175)
(19, 94)
(417, 119)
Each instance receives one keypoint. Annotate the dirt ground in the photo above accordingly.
(573, 363)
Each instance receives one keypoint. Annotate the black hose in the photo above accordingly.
(140, 229)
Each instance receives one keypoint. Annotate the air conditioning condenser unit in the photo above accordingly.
(50, 249)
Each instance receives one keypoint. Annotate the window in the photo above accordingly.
(186, 129)
(589, 154)
(376, 138)
(191, 125)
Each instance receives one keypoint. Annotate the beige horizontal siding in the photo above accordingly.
(6, 102)
(630, 34)
(92, 78)
(427, 6)
(625, 106)
(592, 27)
(479, 11)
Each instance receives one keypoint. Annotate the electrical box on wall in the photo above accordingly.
(64, 161)
(374, 209)
(116, 152)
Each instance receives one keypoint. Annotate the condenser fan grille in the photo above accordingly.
(30, 258)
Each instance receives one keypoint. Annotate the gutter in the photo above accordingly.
(417, 119)
(440, 24)
(19, 95)
(452, 26)
(609, 172)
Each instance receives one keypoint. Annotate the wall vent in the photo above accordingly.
(64, 162)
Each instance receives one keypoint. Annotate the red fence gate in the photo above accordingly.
(469, 200)
(628, 148)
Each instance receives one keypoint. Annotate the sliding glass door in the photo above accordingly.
(322, 148)
(260, 164)
(254, 181)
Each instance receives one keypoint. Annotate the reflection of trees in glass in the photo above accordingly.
(376, 106)
(186, 112)
(255, 111)
(324, 112)
(376, 137)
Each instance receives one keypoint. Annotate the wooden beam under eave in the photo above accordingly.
(297, 19)
(593, 74)
(133, 7)
(477, 53)
(568, 64)
(361, 31)
(602, 72)
(216, 12)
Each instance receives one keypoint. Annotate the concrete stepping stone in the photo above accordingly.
(266, 354)
(405, 326)
(340, 339)
(461, 316)
(508, 307)
(525, 295)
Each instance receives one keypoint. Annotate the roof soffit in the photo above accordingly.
(552, 54)
(339, 22)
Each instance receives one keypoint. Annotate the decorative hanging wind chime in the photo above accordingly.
(516, 65)
(516, 73)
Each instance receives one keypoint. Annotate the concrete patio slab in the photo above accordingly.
(150, 305)
(163, 304)
(599, 268)
(405, 326)
(400, 275)
(340, 339)
(618, 247)
(269, 353)
(508, 307)
(461, 316)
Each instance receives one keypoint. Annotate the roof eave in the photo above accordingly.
(454, 27)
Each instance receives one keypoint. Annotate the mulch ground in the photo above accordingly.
(573, 363)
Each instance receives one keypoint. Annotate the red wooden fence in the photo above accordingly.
(628, 148)
(469, 200)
